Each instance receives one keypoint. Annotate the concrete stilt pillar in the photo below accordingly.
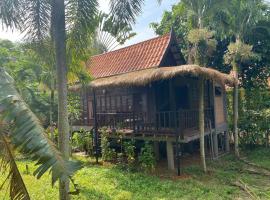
(215, 144)
(227, 141)
(156, 150)
(170, 156)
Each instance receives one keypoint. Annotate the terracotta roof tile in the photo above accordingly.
(143, 55)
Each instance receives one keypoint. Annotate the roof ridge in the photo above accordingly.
(145, 41)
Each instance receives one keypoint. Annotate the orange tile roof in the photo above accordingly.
(139, 56)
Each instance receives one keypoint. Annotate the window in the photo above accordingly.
(182, 97)
(102, 103)
(90, 109)
(113, 103)
(218, 91)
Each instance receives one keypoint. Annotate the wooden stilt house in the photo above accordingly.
(146, 92)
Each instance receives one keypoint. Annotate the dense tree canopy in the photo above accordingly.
(248, 19)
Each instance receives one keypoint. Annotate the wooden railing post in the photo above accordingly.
(95, 124)
(178, 150)
(133, 121)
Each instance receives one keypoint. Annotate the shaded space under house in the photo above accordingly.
(146, 92)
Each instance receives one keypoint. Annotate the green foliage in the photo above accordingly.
(147, 158)
(110, 183)
(18, 189)
(203, 45)
(247, 20)
(108, 154)
(129, 148)
(239, 52)
(28, 136)
(178, 20)
(82, 141)
(110, 34)
(20, 63)
(74, 107)
(254, 118)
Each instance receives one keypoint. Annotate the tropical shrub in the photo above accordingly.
(108, 154)
(147, 158)
(82, 141)
(254, 116)
(129, 148)
(74, 107)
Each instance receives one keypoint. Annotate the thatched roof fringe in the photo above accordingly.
(146, 76)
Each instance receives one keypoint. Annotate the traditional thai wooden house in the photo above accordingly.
(146, 92)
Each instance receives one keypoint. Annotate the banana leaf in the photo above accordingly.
(27, 135)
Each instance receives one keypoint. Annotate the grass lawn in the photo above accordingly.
(109, 182)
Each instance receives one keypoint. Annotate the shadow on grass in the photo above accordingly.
(143, 186)
(89, 193)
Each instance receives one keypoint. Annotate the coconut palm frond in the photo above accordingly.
(81, 23)
(28, 136)
(37, 19)
(13, 179)
(110, 34)
(126, 10)
(10, 14)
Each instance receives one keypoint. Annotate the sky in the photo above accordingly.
(152, 12)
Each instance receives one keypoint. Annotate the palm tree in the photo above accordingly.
(203, 45)
(20, 129)
(109, 35)
(243, 16)
(59, 18)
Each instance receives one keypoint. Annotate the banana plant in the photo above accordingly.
(21, 130)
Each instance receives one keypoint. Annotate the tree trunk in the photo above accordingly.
(201, 122)
(235, 112)
(58, 23)
(267, 139)
(51, 115)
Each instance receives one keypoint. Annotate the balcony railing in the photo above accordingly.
(161, 121)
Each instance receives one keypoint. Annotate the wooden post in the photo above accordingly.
(235, 117)
(215, 144)
(227, 141)
(170, 156)
(215, 139)
(95, 124)
(201, 122)
(227, 135)
(178, 152)
(178, 136)
(156, 150)
(267, 139)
